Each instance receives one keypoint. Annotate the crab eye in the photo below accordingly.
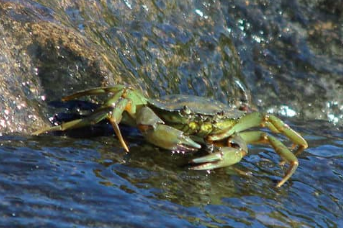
(221, 113)
(185, 110)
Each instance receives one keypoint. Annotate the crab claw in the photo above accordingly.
(156, 132)
(168, 138)
(226, 156)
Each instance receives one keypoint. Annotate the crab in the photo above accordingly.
(189, 123)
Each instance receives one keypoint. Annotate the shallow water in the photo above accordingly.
(60, 181)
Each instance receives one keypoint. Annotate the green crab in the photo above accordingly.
(188, 123)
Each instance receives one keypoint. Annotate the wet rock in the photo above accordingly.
(39, 60)
(54, 49)
(291, 55)
(287, 55)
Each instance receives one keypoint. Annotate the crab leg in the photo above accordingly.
(227, 156)
(94, 118)
(123, 99)
(115, 117)
(283, 128)
(262, 137)
(257, 119)
(105, 112)
(119, 91)
(96, 91)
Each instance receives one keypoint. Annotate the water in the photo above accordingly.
(91, 182)
(282, 57)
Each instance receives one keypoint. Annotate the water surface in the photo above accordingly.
(91, 182)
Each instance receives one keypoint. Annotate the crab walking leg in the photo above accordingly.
(119, 91)
(254, 137)
(283, 128)
(122, 99)
(156, 132)
(94, 118)
(95, 91)
(257, 119)
(115, 117)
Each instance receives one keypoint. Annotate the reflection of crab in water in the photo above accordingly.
(185, 123)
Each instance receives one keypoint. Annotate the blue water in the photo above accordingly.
(60, 181)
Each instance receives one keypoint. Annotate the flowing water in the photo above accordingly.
(60, 181)
(290, 63)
